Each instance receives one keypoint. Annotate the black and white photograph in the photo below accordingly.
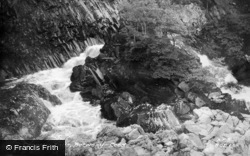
(125, 77)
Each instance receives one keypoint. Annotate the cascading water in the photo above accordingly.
(74, 119)
(224, 77)
(221, 73)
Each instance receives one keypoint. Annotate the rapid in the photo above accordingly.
(74, 119)
(220, 72)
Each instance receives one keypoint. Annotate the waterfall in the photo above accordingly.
(225, 76)
(222, 74)
(74, 118)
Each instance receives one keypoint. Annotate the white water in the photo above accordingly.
(74, 118)
(221, 73)
(225, 76)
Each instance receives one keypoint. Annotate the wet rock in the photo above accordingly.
(231, 106)
(82, 80)
(22, 111)
(79, 72)
(241, 73)
(40, 92)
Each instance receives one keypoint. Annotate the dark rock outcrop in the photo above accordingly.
(81, 79)
(242, 73)
(23, 111)
(38, 35)
(123, 96)
(142, 71)
(129, 95)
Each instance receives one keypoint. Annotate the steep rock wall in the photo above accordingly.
(41, 34)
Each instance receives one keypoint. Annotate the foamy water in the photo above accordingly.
(225, 76)
(74, 118)
(221, 73)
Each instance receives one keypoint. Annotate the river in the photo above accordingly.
(74, 119)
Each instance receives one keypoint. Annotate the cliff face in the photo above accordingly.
(37, 35)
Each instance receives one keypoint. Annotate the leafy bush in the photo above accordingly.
(147, 27)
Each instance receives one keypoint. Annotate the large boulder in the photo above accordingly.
(149, 117)
(153, 119)
(81, 79)
(242, 73)
(23, 111)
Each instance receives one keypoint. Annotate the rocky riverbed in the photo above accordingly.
(171, 78)
(211, 132)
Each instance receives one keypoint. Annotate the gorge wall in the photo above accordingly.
(37, 35)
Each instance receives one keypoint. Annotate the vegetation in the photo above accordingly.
(150, 28)
(226, 38)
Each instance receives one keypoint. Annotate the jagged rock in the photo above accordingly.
(241, 73)
(60, 29)
(82, 80)
(182, 107)
(135, 141)
(195, 98)
(216, 97)
(231, 106)
(133, 134)
(79, 73)
(127, 107)
(151, 119)
(191, 140)
(199, 102)
(184, 86)
(40, 92)
(198, 129)
(123, 109)
(195, 141)
(23, 112)
(124, 105)
(220, 132)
